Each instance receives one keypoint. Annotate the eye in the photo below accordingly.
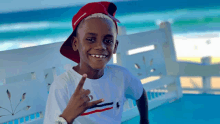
(108, 41)
(90, 39)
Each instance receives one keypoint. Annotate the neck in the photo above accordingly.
(91, 74)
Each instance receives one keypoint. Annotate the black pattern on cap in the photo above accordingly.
(112, 8)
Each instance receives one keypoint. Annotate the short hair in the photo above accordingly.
(96, 15)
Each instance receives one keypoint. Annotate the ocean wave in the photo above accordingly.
(176, 17)
(32, 26)
(170, 16)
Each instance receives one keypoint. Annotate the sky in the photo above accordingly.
(25, 5)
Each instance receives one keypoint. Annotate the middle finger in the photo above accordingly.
(82, 91)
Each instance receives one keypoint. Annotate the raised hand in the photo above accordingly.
(79, 102)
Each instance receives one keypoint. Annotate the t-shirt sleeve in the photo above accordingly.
(133, 86)
(56, 102)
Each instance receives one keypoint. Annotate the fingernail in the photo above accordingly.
(102, 100)
(84, 75)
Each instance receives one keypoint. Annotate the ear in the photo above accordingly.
(74, 43)
(116, 46)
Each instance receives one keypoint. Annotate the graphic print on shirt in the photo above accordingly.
(115, 106)
(99, 108)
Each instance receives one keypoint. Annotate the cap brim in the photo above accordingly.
(67, 50)
(112, 17)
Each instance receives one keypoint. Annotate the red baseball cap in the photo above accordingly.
(107, 8)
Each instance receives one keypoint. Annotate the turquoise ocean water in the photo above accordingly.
(45, 26)
(190, 109)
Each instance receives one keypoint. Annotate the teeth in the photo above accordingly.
(99, 56)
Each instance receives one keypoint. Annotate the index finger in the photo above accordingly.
(81, 83)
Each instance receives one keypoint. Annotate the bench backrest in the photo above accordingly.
(23, 101)
(147, 54)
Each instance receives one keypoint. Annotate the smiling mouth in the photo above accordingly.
(98, 57)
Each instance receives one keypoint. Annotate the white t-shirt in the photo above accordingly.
(115, 86)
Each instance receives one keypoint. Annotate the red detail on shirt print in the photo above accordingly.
(100, 110)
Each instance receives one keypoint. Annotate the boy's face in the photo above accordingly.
(96, 36)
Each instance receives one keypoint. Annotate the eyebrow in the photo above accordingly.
(107, 35)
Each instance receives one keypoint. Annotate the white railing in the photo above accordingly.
(148, 63)
(38, 66)
(206, 78)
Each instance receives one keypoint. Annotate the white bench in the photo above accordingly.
(150, 63)
(160, 60)
(23, 102)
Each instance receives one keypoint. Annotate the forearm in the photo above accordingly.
(142, 105)
(68, 118)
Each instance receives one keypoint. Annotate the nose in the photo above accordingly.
(100, 46)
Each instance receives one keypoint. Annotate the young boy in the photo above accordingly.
(91, 45)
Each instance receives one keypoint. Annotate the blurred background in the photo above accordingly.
(195, 24)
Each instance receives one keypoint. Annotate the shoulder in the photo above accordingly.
(118, 70)
(60, 82)
(116, 67)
